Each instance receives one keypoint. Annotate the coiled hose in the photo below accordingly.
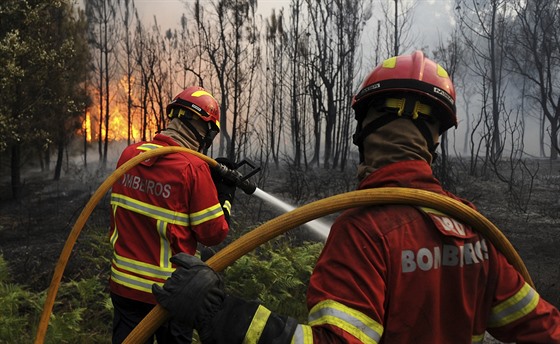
(277, 226)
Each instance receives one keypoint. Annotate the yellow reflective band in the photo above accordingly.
(433, 211)
(141, 268)
(442, 72)
(302, 335)
(365, 329)
(166, 215)
(115, 234)
(516, 307)
(207, 214)
(148, 146)
(164, 246)
(390, 62)
(133, 282)
(227, 206)
(257, 325)
(477, 339)
(149, 210)
(201, 93)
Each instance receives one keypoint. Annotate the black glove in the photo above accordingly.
(226, 188)
(206, 253)
(193, 293)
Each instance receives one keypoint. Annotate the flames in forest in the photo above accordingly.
(118, 120)
(86, 126)
(118, 126)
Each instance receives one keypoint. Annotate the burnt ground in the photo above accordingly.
(33, 230)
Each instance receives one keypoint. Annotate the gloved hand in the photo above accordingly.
(206, 253)
(193, 293)
(226, 188)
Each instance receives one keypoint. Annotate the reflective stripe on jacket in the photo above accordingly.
(402, 274)
(160, 207)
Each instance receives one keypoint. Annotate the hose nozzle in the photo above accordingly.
(241, 181)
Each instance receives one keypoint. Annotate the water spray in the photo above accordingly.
(318, 226)
(244, 183)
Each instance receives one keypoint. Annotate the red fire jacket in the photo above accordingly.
(401, 274)
(160, 207)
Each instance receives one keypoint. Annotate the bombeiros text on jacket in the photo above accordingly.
(148, 186)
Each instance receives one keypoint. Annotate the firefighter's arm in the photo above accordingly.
(194, 295)
(519, 313)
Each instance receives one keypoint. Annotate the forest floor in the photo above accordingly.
(34, 229)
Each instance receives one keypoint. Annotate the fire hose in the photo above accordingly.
(277, 226)
(91, 204)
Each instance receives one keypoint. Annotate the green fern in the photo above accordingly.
(17, 307)
(276, 274)
(81, 314)
(65, 327)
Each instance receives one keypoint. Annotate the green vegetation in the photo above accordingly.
(18, 308)
(44, 62)
(82, 313)
(277, 274)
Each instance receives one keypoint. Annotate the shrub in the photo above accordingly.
(276, 274)
(17, 309)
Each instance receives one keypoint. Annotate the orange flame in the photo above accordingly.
(118, 119)
(86, 127)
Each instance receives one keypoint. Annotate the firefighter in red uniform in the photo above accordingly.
(163, 206)
(392, 273)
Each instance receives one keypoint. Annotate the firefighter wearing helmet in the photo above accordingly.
(412, 89)
(165, 205)
(390, 273)
(194, 106)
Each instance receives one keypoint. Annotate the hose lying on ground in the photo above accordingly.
(272, 229)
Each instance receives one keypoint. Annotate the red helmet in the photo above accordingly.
(199, 101)
(412, 73)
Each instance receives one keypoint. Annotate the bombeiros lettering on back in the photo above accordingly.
(436, 257)
(148, 186)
